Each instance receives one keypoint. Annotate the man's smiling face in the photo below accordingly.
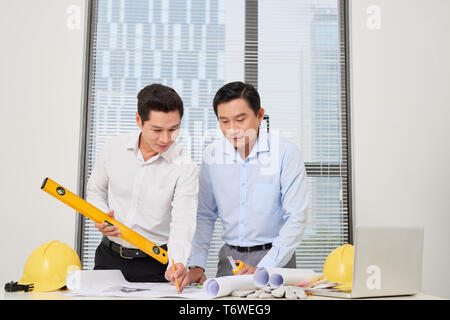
(161, 130)
(238, 122)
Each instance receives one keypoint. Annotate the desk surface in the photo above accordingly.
(58, 295)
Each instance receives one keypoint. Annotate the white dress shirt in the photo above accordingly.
(156, 198)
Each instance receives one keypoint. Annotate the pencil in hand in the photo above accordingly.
(176, 279)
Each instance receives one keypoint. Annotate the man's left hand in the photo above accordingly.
(247, 269)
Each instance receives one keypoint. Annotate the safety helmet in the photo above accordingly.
(338, 266)
(47, 267)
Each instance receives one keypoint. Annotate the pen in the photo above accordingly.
(176, 279)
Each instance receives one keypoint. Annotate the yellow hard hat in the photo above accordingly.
(338, 266)
(48, 265)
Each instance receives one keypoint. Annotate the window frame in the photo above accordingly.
(313, 169)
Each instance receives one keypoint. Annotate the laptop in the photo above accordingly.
(388, 262)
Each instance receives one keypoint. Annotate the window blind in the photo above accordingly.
(196, 46)
(301, 80)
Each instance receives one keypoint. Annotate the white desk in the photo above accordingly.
(57, 295)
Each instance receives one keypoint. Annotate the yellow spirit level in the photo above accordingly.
(93, 213)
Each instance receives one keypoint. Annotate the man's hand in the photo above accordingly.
(247, 269)
(107, 230)
(180, 273)
(195, 274)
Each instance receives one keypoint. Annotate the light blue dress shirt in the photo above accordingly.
(262, 199)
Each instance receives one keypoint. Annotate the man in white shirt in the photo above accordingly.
(147, 182)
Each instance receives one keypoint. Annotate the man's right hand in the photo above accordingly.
(107, 230)
(195, 274)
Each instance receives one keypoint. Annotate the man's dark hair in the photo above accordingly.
(158, 97)
(236, 90)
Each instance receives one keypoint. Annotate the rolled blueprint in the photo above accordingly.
(223, 286)
(276, 277)
(94, 280)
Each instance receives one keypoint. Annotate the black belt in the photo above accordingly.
(250, 249)
(124, 252)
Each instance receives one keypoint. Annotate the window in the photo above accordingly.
(292, 51)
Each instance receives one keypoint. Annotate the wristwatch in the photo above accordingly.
(190, 267)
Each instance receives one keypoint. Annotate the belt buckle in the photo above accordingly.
(121, 253)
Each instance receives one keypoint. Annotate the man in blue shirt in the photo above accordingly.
(256, 183)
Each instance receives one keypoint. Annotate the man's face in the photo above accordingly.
(160, 130)
(238, 122)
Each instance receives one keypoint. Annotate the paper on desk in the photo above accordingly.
(111, 283)
(223, 286)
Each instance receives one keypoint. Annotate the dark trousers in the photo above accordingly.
(134, 270)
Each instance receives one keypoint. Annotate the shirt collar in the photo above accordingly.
(262, 143)
(133, 144)
(170, 154)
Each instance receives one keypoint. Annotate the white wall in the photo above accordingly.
(41, 67)
(400, 121)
